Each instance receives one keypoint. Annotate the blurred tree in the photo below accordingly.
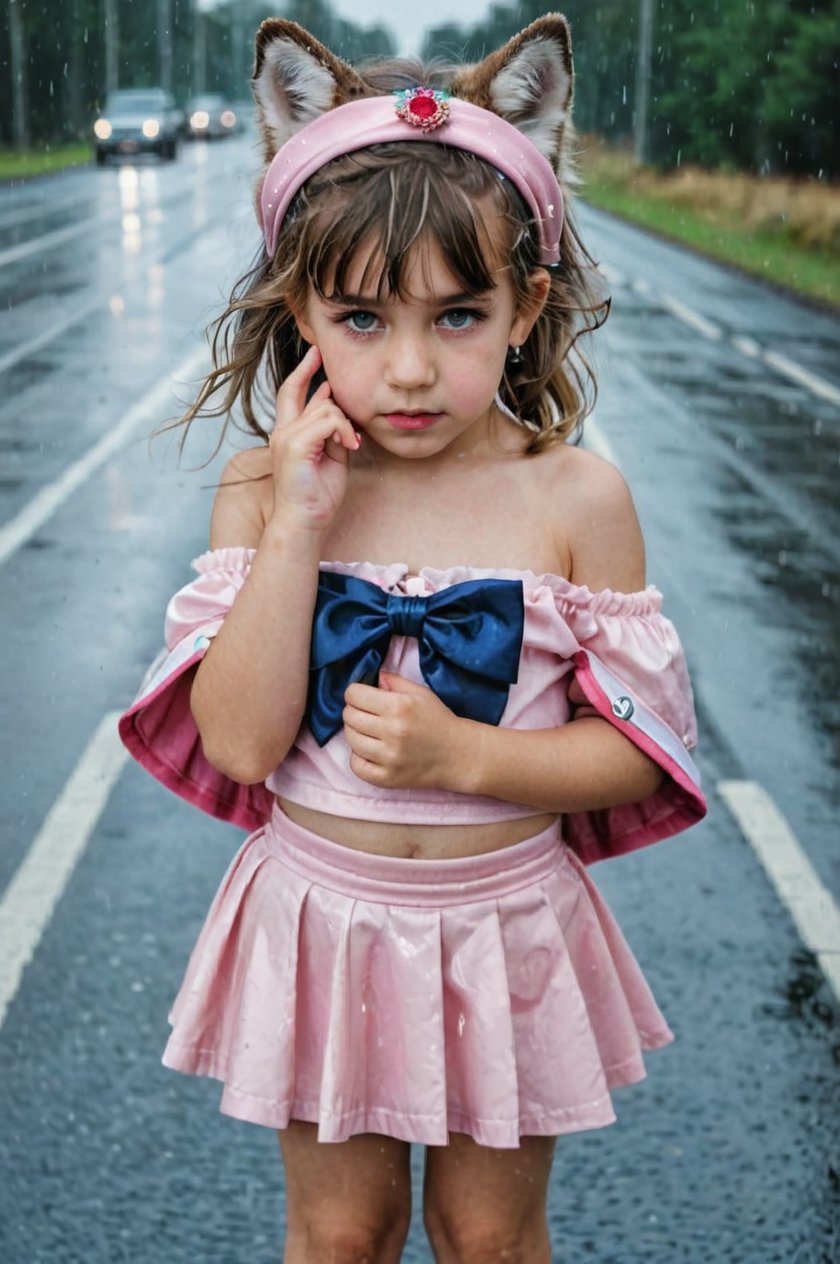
(750, 84)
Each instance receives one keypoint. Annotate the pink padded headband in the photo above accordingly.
(417, 114)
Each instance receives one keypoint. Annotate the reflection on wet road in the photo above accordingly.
(726, 1153)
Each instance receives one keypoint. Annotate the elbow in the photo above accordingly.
(247, 767)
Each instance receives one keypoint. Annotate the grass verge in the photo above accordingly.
(17, 164)
(738, 219)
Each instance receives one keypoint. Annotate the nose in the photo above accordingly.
(410, 364)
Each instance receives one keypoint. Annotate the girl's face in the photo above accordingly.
(418, 374)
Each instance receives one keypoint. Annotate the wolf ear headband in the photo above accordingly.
(416, 114)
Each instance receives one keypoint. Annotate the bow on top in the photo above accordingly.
(469, 636)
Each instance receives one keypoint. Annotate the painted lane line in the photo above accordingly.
(803, 377)
(145, 412)
(596, 441)
(810, 904)
(45, 242)
(689, 317)
(37, 886)
(24, 349)
(748, 347)
(612, 275)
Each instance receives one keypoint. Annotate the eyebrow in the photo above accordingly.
(445, 300)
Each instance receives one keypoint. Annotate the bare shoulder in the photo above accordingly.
(243, 500)
(599, 522)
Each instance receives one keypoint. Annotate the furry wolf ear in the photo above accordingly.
(296, 79)
(529, 82)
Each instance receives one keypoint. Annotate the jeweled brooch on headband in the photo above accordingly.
(423, 107)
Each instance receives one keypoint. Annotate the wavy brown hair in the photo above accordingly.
(384, 201)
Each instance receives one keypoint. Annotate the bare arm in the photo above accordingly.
(402, 735)
(249, 692)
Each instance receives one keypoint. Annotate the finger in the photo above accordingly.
(322, 406)
(367, 771)
(366, 698)
(291, 397)
(362, 722)
(309, 435)
(367, 748)
(400, 684)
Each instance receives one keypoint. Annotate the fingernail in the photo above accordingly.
(358, 439)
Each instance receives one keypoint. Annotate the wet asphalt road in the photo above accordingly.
(728, 1152)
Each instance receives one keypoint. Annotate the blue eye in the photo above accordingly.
(459, 318)
(361, 322)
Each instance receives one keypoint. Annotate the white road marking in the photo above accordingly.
(797, 884)
(803, 377)
(747, 346)
(689, 317)
(146, 412)
(810, 904)
(33, 893)
(596, 441)
(46, 241)
(24, 349)
(612, 275)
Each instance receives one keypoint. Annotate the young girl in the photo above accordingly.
(420, 662)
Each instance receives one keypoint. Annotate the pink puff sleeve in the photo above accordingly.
(158, 728)
(631, 668)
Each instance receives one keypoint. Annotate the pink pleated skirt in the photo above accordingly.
(493, 995)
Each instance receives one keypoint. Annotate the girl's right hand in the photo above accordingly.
(310, 447)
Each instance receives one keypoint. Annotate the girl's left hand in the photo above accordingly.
(401, 735)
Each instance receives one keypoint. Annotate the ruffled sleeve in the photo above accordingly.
(158, 728)
(631, 668)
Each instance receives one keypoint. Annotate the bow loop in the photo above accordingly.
(469, 636)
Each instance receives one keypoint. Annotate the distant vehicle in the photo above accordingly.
(210, 115)
(246, 112)
(138, 120)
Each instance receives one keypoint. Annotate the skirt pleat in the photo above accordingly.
(493, 996)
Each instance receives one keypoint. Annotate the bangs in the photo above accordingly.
(381, 216)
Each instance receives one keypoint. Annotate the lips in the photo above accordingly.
(412, 421)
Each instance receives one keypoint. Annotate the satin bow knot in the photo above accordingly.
(406, 615)
(469, 638)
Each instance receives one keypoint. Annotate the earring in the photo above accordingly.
(515, 355)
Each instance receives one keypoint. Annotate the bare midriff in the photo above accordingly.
(417, 842)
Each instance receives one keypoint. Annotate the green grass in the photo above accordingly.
(17, 164)
(814, 273)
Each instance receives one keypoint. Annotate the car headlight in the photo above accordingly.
(228, 118)
(200, 119)
(151, 128)
(102, 129)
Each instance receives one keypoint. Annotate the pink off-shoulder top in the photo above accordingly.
(624, 654)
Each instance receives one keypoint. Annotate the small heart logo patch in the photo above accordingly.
(622, 708)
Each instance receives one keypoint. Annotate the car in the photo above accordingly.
(210, 115)
(245, 111)
(138, 120)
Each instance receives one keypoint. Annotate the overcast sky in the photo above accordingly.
(409, 20)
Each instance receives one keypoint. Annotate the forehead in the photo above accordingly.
(425, 272)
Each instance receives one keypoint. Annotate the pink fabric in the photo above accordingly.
(493, 996)
(374, 121)
(568, 631)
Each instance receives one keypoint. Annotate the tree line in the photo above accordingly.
(745, 84)
(62, 57)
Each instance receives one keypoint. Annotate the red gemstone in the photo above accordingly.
(423, 107)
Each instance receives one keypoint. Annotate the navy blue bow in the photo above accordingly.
(470, 637)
